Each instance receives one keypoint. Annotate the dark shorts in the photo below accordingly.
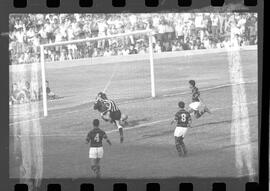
(115, 115)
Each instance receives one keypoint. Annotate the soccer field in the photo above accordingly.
(148, 150)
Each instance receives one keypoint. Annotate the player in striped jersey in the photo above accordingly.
(113, 113)
(196, 107)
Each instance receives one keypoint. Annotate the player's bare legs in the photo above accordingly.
(98, 174)
(178, 146)
(120, 128)
(123, 119)
(96, 167)
(198, 113)
(93, 166)
(106, 116)
(183, 146)
(206, 109)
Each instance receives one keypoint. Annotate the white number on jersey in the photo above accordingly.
(97, 137)
(183, 117)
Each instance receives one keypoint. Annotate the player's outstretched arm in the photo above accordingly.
(108, 141)
(175, 119)
(87, 140)
(189, 122)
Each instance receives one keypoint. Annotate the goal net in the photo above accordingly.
(78, 69)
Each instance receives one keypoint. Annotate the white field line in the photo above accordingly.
(149, 98)
(25, 121)
(210, 88)
(110, 80)
(253, 174)
(164, 120)
(83, 133)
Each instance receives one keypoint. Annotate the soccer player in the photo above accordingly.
(183, 121)
(95, 137)
(196, 101)
(113, 112)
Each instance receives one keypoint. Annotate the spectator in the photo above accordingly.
(157, 47)
(215, 22)
(14, 94)
(17, 95)
(132, 50)
(50, 94)
(172, 32)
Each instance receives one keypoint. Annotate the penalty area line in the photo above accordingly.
(136, 126)
(209, 88)
(164, 120)
(25, 121)
(111, 78)
(148, 98)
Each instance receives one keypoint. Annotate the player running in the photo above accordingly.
(196, 101)
(183, 121)
(95, 137)
(112, 113)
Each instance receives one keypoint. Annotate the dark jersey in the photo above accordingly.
(48, 90)
(195, 94)
(182, 118)
(100, 106)
(95, 137)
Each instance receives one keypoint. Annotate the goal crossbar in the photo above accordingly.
(97, 38)
(42, 60)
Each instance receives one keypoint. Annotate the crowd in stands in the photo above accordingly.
(172, 32)
(25, 92)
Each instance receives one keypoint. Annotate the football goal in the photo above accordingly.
(43, 48)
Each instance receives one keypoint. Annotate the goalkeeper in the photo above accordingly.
(112, 112)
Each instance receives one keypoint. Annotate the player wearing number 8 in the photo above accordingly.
(95, 137)
(183, 121)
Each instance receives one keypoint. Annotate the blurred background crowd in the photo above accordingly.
(172, 32)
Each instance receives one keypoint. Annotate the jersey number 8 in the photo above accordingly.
(183, 117)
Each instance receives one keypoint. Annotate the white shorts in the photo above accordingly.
(95, 152)
(180, 131)
(195, 105)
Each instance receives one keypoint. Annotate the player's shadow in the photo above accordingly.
(212, 123)
(168, 132)
(157, 134)
(206, 151)
(133, 123)
(219, 122)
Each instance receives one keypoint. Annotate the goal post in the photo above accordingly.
(43, 82)
(149, 33)
(151, 57)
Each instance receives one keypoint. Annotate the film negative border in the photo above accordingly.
(130, 185)
(151, 186)
(129, 5)
(122, 3)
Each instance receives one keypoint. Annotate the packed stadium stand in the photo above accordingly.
(172, 32)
